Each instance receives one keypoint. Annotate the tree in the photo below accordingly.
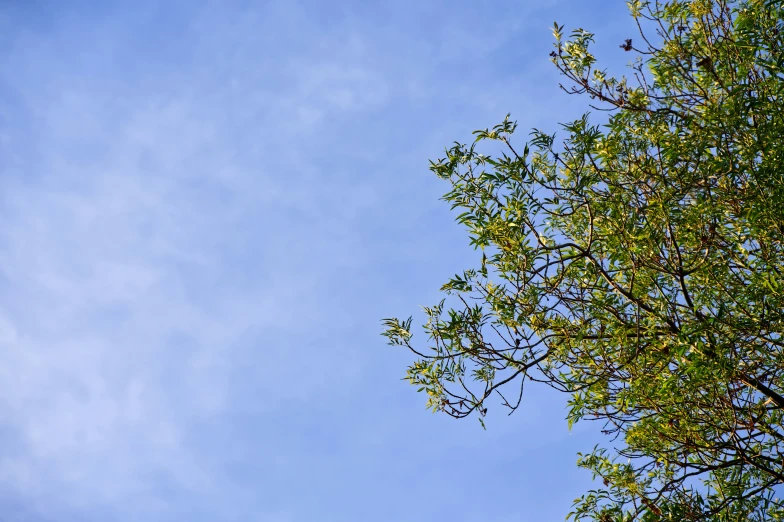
(637, 266)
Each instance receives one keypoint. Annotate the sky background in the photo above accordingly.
(206, 209)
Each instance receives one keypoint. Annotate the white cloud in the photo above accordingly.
(121, 307)
(172, 220)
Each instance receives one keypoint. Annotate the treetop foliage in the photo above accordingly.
(637, 266)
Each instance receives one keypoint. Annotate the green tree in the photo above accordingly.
(637, 266)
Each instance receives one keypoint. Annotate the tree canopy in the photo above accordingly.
(635, 264)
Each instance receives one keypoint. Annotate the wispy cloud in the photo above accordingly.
(205, 209)
(139, 242)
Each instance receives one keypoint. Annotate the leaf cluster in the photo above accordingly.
(637, 266)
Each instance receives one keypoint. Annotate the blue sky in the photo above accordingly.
(207, 208)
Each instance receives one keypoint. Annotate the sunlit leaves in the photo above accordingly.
(636, 265)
